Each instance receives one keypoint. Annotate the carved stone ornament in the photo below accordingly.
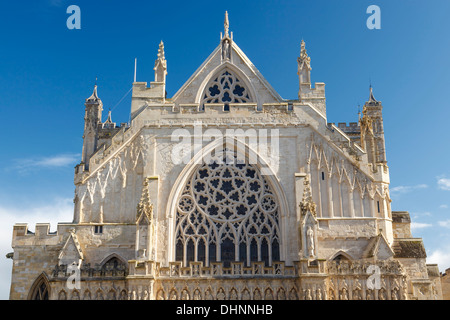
(307, 203)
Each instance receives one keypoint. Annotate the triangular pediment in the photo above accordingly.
(71, 251)
(259, 90)
(378, 248)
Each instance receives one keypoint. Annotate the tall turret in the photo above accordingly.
(92, 119)
(304, 69)
(156, 93)
(372, 133)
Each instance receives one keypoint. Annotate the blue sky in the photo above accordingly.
(47, 71)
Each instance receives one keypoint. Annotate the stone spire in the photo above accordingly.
(94, 96)
(372, 132)
(226, 39)
(92, 120)
(161, 51)
(226, 25)
(160, 65)
(371, 97)
(304, 64)
(304, 71)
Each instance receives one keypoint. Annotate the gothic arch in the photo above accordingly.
(111, 258)
(341, 253)
(281, 294)
(184, 179)
(160, 295)
(217, 72)
(40, 290)
(62, 295)
(87, 295)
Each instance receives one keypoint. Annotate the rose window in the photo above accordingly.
(227, 212)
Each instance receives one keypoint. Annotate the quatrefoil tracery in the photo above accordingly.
(227, 204)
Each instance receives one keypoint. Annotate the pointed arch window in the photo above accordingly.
(226, 88)
(227, 212)
(40, 289)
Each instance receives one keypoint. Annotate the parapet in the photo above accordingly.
(308, 92)
(315, 96)
(401, 224)
(23, 236)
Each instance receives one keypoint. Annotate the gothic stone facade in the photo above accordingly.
(303, 213)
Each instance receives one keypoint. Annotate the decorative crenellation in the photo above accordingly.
(88, 272)
(210, 106)
(351, 129)
(227, 290)
(360, 267)
(215, 269)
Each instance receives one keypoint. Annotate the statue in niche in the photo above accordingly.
(226, 54)
(308, 294)
(87, 295)
(184, 295)
(310, 241)
(160, 295)
(197, 295)
(141, 254)
(319, 294)
(344, 294)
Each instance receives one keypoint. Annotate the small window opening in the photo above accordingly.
(323, 175)
(98, 229)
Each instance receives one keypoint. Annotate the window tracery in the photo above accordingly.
(226, 88)
(40, 289)
(227, 212)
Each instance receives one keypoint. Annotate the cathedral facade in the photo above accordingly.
(227, 191)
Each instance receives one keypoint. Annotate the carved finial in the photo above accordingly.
(160, 65)
(94, 96)
(145, 206)
(226, 40)
(109, 119)
(371, 97)
(307, 203)
(226, 25)
(304, 58)
(304, 68)
(161, 51)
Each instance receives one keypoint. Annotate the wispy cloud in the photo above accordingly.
(418, 225)
(444, 184)
(445, 224)
(416, 215)
(441, 257)
(56, 161)
(443, 206)
(59, 210)
(407, 189)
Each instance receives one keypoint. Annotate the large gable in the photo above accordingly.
(227, 58)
